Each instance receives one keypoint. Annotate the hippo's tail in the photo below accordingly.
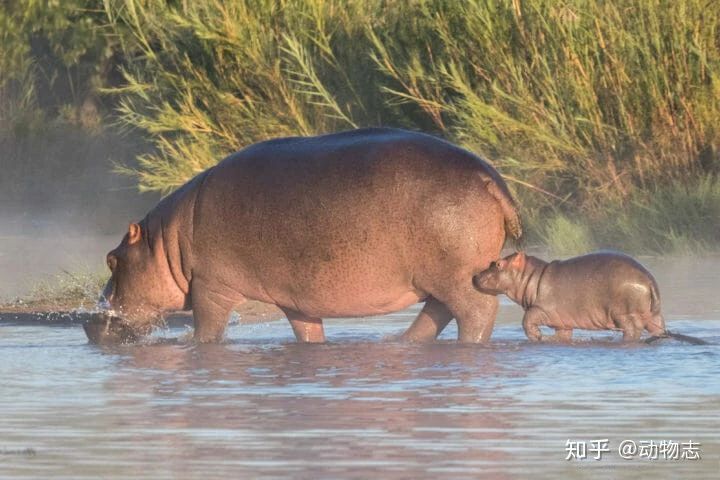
(658, 324)
(513, 225)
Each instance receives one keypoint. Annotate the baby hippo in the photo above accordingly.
(599, 291)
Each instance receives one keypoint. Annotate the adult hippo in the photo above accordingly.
(350, 224)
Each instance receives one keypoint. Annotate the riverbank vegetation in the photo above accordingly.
(604, 117)
(65, 291)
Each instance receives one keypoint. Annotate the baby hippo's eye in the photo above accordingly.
(493, 265)
(112, 262)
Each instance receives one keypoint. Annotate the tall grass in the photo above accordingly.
(677, 218)
(586, 98)
(53, 57)
(583, 105)
(211, 77)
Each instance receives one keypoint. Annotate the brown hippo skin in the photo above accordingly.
(597, 291)
(352, 224)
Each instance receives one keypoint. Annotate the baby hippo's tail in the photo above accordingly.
(654, 298)
(656, 325)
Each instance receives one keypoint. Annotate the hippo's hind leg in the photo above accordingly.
(631, 334)
(476, 318)
(306, 329)
(431, 320)
(563, 334)
(474, 312)
(631, 326)
(656, 325)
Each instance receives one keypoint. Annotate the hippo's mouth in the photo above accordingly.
(103, 328)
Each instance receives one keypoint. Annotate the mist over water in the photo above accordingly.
(62, 208)
(37, 250)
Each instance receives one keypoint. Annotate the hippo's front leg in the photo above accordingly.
(211, 311)
(534, 317)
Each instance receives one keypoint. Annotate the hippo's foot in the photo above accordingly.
(631, 335)
(474, 313)
(631, 326)
(534, 317)
(562, 335)
(306, 329)
(534, 334)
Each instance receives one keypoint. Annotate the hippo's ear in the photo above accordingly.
(518, 261)
(134, 233)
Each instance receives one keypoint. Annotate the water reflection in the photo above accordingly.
(328, 408)
(254, 407)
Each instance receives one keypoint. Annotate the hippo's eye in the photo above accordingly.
(494, 265)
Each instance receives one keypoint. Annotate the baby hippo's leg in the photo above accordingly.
(631, 334)
(656, 325)
(534, 317)
(563, 334)
(630, 325)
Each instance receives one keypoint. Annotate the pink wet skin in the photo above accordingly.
(358, 223)
(598, 291)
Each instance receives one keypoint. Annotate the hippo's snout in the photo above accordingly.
(106, 329)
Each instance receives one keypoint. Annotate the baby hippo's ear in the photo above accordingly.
(518, 261)
(134, 233)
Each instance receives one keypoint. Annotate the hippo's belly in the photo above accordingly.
(343, 292)
(355, 307)
(584, 317)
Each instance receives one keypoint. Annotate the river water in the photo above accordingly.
(363, 406)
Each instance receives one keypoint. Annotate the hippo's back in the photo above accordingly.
(363, 152)
(609, 264)
(600, 282)
(392, 171)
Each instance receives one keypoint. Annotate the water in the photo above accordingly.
(362, 406)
